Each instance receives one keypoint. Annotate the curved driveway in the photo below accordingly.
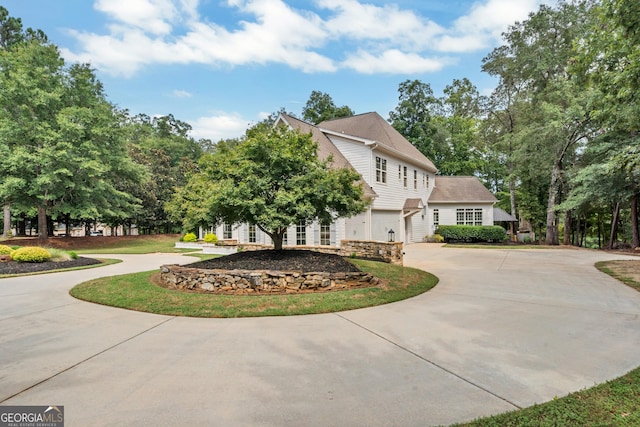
(503, 329)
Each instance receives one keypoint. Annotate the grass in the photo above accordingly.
(622, 270)
(137, 292)
(139, 245)
(614, 403)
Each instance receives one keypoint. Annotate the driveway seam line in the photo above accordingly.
(86, 360)
(424, 359)
(39, 311)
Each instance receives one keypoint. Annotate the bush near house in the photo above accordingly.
(472, 233)
(190, 237)
(30, 254)
(210, 238)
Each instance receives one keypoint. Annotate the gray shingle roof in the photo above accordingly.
(326, 148)
(501, 216)
(373, 127)
(453, 189)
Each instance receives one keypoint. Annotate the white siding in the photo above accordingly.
(356, 228)
(358, 155)
(448, 212)
(383, 221)
(417, 227)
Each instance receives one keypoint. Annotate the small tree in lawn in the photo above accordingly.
(273, 179)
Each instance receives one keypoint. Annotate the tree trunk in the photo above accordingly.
(567, 228)
(552, 227)
(42, 223)
(277, 240)
(614, 225)
(7, 221)
(635, 240)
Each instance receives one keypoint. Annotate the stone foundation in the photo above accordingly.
(261, 281)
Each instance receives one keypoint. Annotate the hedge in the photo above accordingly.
(472, 233)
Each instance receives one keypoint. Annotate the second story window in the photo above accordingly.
(404, 176)
(381, 170)
(415, 179)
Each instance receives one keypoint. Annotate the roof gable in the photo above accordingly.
(326, 148)
(460, 189)
(373, 127)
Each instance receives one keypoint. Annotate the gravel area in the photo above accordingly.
(285, 260)
(13, 267)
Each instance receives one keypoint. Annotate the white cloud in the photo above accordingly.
(483, 26)
(154, 16)
(219, 126)
(182, 94)
(388, 39)
(393, 62)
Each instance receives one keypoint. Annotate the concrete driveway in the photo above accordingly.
(502, 330)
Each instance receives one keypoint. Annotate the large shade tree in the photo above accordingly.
(60, 147)
(272, 179)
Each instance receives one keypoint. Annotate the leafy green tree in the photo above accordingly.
(320, 107)
(163, 147)
(609, 61)
(556, 118)
(413, 116)
(59, 141)
(272, 179)
(458, 126)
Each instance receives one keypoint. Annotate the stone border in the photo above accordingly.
(244, 282)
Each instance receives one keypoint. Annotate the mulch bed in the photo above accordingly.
(285, 260)
(13, 267)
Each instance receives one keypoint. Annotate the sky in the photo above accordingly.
(223, 65)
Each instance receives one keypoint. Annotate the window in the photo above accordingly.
(399, 172)
(325, 234)
(404, 176)
(226, 231)
(477, 217)
(252, 233)
(285, 239)
(415, 179)
(381, 170)
(469, 216)
(427, 182)
(436, 217)
(301, 233)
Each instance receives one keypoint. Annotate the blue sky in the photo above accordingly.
(221, 65)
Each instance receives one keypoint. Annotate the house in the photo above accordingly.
(408, 199)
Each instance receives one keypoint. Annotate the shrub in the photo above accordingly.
(31, 254)
(58, 255)
(210, 238)
(5, 250)
(472, 233)
(437, 238)
(73, 255)
(190, 237)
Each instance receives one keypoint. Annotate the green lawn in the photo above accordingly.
(136, 292)
(130, 245)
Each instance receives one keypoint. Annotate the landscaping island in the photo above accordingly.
(268, 272)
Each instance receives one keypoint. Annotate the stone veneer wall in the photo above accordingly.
(270, 282)
(260, 281)
(390, 252)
